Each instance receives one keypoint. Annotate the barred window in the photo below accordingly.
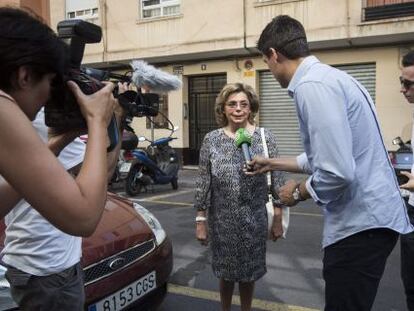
(87, 10)
(159, 8)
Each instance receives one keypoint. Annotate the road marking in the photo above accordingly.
(162, 196)
(150, 200)
(156, 199)
(215, 296)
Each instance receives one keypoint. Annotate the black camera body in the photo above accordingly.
(62, 112)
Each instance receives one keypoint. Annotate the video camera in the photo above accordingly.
(62, 111)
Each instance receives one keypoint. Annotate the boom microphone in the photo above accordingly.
(243, 140)
(145, 75)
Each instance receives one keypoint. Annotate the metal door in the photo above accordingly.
(203, 91)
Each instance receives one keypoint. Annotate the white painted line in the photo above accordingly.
(215, 296)
(162, 196)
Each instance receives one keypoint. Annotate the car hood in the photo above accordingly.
(120, 228)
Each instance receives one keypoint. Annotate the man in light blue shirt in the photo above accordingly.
(351, 177)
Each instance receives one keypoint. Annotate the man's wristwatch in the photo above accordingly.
(296, 194)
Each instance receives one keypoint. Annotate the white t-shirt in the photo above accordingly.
(32, 244)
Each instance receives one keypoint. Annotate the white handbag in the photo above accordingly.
(269, 204)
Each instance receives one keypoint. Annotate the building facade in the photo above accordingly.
(40, 7)
(210, 43)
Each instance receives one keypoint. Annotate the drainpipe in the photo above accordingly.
(348, 23)
(104, 9)
(244, 29)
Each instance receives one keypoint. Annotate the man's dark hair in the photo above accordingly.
(286, 35)
(408, 59)
(25, 40)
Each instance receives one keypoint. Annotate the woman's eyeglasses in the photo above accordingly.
(406, 83)
(234, 105)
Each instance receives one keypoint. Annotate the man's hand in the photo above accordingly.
(258, 165)
(286, 193)
(409, 185)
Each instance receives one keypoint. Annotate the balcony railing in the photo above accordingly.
(383, 9)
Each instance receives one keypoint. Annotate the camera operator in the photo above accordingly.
(43, 263)
(31, 56)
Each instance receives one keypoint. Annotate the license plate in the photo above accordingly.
(126, 295)
(125, 167)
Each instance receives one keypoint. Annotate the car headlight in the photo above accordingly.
(152, 222)
(6, 300)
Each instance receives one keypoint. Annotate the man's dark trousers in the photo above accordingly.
(353, 267)
(407, 261)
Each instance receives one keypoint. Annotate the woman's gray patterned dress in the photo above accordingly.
(235, 203)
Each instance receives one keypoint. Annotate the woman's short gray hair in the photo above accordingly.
(226, 92)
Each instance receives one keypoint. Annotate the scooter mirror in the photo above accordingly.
(397, 141)
(141, 139)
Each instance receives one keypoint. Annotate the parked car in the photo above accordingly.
(401, 160)
(126, 262)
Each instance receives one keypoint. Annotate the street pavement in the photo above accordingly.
(294, 278)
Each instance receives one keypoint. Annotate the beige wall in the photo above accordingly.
(394, 113)
(216, 25)
(217, 29)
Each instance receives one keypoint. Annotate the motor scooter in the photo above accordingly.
(401, 160)
(158, 163)
(125, 159)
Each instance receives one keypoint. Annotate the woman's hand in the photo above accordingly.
(277, 228)
(202, 232)
(98, 106)
(409, 185)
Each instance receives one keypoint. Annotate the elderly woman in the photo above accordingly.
(231, 211)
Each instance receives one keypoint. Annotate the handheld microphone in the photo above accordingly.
(145, 75)
(243, 140)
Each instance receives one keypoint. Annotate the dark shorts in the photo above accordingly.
(60, 291)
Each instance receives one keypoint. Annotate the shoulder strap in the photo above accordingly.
(266, 153)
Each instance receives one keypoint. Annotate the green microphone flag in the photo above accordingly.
(243, 140)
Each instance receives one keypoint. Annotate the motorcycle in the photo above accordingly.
(158, 163)
(401, 160)
(125, 159)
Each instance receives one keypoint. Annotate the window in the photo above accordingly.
(90, 15)
(160, 121)
(83, 9)
(159, 8)
(383, 9)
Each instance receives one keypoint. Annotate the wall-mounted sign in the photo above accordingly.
(178, 69)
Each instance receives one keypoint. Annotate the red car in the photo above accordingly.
(126, 262)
